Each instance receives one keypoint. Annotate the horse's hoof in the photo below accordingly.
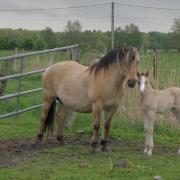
(104, 144)
(104, 148)
(94, 144)
(149, 154)
(61, 141)
(39, 138)
(178, 153)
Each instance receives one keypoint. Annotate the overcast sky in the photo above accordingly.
(90, 17)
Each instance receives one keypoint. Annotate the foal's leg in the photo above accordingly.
(148, 129)
(61, 113)
(108, 117)
(176, 113)
(96, 117)
(47, 101)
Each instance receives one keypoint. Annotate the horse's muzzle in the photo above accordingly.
(131, 83)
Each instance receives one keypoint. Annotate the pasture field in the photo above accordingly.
(22, 158)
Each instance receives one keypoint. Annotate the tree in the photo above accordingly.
(118, 29)
(176, 26)
(27, 44)
(130, 35)
(49, 37)
(77, 26)
(69, 27)
(131, 28)
(73, 26)
(39, 44)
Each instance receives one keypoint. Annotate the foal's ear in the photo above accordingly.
(125, 48)
(147, 73)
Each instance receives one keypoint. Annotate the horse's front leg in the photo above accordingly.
(104, 138)
(148, 129)
(97, 109)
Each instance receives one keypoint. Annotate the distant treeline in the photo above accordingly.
(97, 40)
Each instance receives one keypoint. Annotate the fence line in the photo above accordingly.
(74, 55)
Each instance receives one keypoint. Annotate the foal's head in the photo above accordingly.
(143, 81)
(131, 59)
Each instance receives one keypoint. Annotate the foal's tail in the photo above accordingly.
(49, 122)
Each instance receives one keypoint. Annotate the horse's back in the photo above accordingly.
(59, 71)
(69, 81)
(65, 67)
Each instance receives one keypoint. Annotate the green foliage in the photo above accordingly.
(27, 44)
(88, 40)
(49, 37)
(39, 44)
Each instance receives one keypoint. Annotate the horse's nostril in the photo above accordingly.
(131, 83)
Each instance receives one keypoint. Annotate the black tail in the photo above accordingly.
(49, 123)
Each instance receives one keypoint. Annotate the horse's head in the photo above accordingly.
(142, 81)
(131, 59)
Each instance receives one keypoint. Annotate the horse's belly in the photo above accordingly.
(76, 102)
(165, 104)
(78, 107)
(164, 108)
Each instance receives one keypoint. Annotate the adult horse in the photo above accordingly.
(79, 88)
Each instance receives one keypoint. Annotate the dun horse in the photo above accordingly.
(79, 88)
(156, 101)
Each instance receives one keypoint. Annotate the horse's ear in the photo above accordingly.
(147, 73)
(125, 48)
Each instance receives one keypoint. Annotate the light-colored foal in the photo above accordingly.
(156, 101)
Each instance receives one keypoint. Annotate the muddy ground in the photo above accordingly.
(18, 151)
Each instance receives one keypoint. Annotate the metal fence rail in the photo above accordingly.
(74, 55)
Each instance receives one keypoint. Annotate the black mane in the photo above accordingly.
(111, 58)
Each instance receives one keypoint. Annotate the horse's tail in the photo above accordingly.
(49, 122)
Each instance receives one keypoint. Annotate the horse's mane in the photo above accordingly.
(111, 58)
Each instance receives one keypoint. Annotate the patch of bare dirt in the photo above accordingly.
(14, 152)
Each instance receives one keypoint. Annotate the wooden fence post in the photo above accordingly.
(5, 69)
(155, 62)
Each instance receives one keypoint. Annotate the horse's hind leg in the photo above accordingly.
(61, 114)
(47, 102)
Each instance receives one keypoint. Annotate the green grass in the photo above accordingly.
(64, 162)
(49, 167)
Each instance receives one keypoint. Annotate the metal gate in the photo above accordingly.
(20, 59)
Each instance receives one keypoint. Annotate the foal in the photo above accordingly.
(156, 101)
